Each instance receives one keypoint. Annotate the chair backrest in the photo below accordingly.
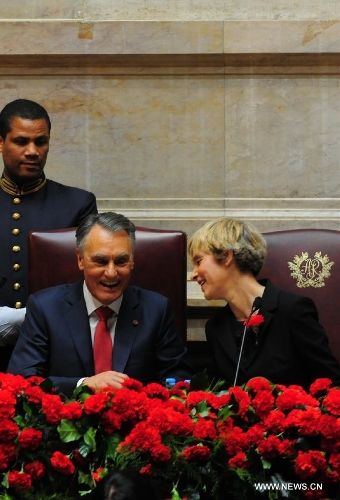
(160, 264)
(307, 261)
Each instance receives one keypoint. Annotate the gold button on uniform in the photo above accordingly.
(16, 231)
(16, 286)
(16, 201)
(16, 216)
(18, 305)
(16, 248)
(16, 267)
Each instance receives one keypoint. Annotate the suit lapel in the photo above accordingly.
(226, 339)
(76, 319)
(268, 304)
(128, 326)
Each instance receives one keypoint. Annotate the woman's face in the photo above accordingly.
(211, 275)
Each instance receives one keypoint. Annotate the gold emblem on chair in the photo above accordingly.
(310, 271)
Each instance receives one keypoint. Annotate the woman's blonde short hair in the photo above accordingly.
(220, 235)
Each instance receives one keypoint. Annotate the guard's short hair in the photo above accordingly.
(21, 108)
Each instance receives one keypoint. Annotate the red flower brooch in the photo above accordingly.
(254, 323)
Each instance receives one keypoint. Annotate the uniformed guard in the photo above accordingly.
(28, 202)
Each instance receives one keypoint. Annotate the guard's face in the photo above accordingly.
(25, 149)
(107, 262)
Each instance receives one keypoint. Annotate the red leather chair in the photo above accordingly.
(160, 264)
(307, 261)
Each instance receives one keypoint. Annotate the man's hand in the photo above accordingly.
(105, 379)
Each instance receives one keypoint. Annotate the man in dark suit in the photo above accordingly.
(58, 336)
(28, 201)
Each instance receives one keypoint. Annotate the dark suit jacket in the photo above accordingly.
(55, 338)
(292, 346)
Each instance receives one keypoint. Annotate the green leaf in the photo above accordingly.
(68, 431)
(82, 392)
(84, 450)
(90, 438)
(85, 479)
(266, 465)
(111, 445)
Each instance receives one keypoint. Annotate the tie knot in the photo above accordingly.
(104, 313)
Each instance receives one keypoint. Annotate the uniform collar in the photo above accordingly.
(29, 187)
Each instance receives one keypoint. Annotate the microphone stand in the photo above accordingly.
(256, 305)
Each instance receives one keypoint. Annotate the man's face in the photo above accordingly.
(107, 262)
(25, 148)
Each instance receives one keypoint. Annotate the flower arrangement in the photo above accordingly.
(196, 444)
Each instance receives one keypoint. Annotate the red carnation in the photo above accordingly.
(7, 404)
(307, 464)
(269, 448)
(235, 440)
(147, 470)
(7, 454)
(8, 431)
(111, 421)
(154, 390)
(35, 469)
(307, 421)
(30, 439)
(239, 461)
(145, 437)
(196, 452)
(62, 463)
(19, 480)
(332, 402)
(133, 384)
(205, 429)
(131, 404)
(263, 403)
(98, 474)
(330, 428)
(79, 459)
(96, 403)
(13, 383)
(254, 320)
(259, 384)
(52, 406)
(334, 461)
(275, 421)
(72, 411)
(34, 394)
(167, 420)
(243, 400)
(321, 384)
(294, 396)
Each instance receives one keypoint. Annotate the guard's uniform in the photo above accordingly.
(38, 205)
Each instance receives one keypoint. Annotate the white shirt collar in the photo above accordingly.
(92, 303)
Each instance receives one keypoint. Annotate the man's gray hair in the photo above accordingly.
(110, 221)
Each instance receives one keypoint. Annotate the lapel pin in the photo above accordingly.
(135, 322)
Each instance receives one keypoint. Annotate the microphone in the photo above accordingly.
(256, 305)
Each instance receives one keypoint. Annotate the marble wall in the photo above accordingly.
(177, 112)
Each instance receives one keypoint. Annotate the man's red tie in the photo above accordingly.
(102, 346)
